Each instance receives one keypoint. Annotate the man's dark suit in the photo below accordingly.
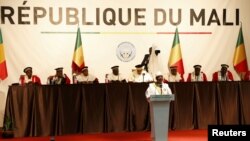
(145, 61)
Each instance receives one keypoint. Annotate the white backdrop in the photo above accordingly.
(45, 46)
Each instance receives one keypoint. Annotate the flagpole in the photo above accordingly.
(73, 72)
(78, 60)
(241, 73)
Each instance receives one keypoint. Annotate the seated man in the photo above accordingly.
(85, 78)
(59, 78)
(223, 75)
(158, 87)
(173, 76)
(28, 78)
(139, 75)
(115, 76)
(197, 75)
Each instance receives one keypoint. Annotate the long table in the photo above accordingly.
(122, 107)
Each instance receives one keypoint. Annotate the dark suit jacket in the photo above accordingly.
(145, 61)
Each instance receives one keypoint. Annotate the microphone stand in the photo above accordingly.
(160, 85)
(143, 74)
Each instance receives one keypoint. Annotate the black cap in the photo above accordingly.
(224, 65)
(197, 66)
(138, 66)
(58, 69)
(115, 67)
(85, 68)
(26, 69)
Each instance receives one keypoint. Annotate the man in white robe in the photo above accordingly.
(115, 76)
(173, 76)
(85, 78)
(158, 87)
(139, 75)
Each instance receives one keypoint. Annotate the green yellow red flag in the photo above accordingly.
(3, 67)
(78, 57)
(240, 58)
(175, 58)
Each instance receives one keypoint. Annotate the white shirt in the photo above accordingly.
(223, 78)
(173, 78)
(83, 78)
(112, 77)
(55, 80)
(143, 77)
(153, 89)
(195, 78)
(27, 79)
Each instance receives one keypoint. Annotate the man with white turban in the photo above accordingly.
(154, 64)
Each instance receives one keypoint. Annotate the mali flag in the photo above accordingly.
(240, 58)
(3, 68)
(175, 58)
(78, 58)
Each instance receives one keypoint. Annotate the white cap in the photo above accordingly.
(158, 74)
(154, 45)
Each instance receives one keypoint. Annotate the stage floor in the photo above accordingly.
(180, 135)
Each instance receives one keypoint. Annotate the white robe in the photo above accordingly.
(153, 89)
(173, 78)
(154, 64)
(198, 78)
(82, 78)
(135, 77)
(112, 77)
(223, 78)
(27, 79)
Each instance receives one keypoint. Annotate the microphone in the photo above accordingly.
(160, 85)
(74, 79)
(143, 74)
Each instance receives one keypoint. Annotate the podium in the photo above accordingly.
(159, 114)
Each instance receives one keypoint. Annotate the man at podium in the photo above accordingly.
(158, 87)
(159, 95)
